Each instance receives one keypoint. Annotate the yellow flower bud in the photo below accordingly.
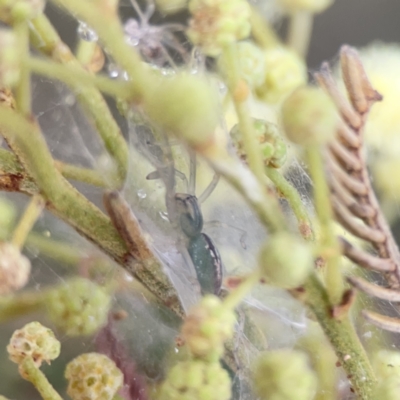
(15, 268)
(309, 116)
(196, 380)
(284, 72)
(217, 23)
(284, 375)
(36, 341)
(185, 105)
(206, 328)
(93, 376)
(286, 260)
(19, 10)
(78, 307)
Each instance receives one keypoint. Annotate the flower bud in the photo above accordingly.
(313, 6)
(286, 260)
(20, 10)
(284, 374)
(93, 376)
(171, 6)
(218, 23)
(78, 307)
(36, 341)
(15, 268)
(207, 327)
(271, 143)
(186, 106)
(309, 116)
(284, 72)
(196, 380)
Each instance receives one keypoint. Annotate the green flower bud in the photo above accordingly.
(36, 341)
(309, 116)
(284, 72)
(20, 10)
(207, 327)
(15, 268)
(171, 6)
(9, 58)
(185, 105)
(93, 376)
(217, 23)
(284, 375)
(272, 144)
(78, 307)
(286, 260)
(196, 380)
(314, 6)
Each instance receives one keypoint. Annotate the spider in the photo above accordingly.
(152, 40)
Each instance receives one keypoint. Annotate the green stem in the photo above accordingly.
(292, 196)
(344, 340)
(45, 38)
(27, 221)
(31, 373)
(85, 51)
(333, 276)
(236, 296)
(20, 305)
(73, 75)
(85, 175)
(262, 31)
(300, 28)
(23, 89)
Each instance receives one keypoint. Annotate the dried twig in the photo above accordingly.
(353, 200)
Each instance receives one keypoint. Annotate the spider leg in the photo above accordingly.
(139, 12)
(209, 189)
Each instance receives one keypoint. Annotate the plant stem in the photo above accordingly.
(45, 38)
(20, 304)
(330, 244)
(31, 373)
(73, 75)
(344, 340)
(262, 31)
(23, 89)
(291, 194)
(85, 51)
(27, 221)
(300, 28)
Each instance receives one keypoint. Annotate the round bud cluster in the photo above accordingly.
(309, 116)
(270, 141)
(78, 307)
(207, 327)
(313, 6)
(284, 374)
(20, 10)
(15, 268)
(284, 72)
(196, 379)
(218, 23)
(184, 105)
(93, 376)
(35, 341)
(286, 260)
(171, 6)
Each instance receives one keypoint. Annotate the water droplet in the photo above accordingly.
(176, 350)
(164, 215)
(69, 100)
(47, 233)
(141, 193)
(113, 70)
(86, 33)
(222, 88)
(132, 41)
